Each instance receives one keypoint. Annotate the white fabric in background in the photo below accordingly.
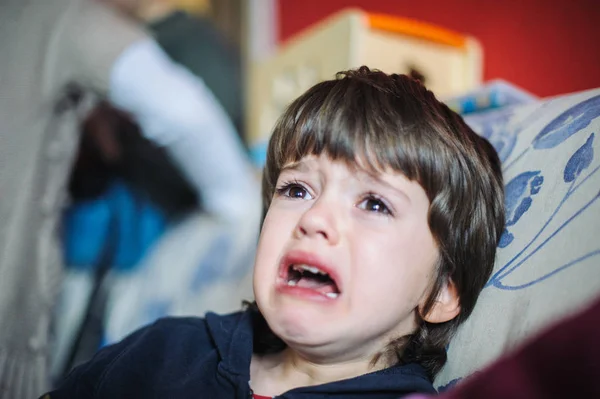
(177, 110)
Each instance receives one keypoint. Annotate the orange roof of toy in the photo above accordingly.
(412, 27)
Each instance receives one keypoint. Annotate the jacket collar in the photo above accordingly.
(233, 337)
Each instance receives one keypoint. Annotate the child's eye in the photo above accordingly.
(293, 190)
(374, 204)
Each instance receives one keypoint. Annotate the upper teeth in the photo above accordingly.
(311, 269)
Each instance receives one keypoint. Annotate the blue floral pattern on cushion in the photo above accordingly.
(520, 191)
(580, 161)
(568, 123)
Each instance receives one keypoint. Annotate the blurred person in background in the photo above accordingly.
(108, 295)
(47, 46)
(192, 40)
(142, 282)
(125, 194)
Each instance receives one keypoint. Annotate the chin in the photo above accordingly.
(300, 326)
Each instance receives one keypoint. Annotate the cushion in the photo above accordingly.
(548, 262)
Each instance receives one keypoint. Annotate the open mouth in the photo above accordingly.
(312, 278)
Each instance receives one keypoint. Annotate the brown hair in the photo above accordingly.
(377, 121)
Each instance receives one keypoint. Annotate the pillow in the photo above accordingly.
(548, 261)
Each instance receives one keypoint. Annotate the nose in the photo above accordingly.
(320, 221)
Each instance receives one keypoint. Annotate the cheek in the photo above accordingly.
(401, 263)
(272, 240)
(264, 258)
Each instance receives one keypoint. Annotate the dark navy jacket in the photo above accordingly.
(209, 358)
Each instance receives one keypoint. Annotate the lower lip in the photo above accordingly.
(303, 293)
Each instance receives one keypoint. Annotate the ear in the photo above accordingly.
(446, 305)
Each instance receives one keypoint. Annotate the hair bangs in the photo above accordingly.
(352, 121)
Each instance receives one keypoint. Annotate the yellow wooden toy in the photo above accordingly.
(450, 62)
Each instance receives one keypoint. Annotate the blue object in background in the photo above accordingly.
(137, 225)
(258, 153)
(492, 95)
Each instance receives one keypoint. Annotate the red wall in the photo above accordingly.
(545, 46)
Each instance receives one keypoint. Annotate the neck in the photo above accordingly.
(154, 10)
(278, 373)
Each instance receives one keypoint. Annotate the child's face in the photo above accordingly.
(368, 234)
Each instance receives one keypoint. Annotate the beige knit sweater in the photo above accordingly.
(44, 45)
